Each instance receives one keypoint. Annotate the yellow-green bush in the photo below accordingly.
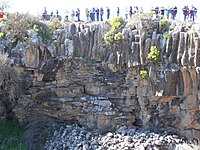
(154, 54)
(143, 73)
(163, 22)
(114, 34)
(43, 30)
(54, 23)
(117, 21)
(1, 35)
(118, 36)
(166, 35)
(109, 36)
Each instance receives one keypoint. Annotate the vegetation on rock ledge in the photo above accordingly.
(114, 34)
(143, 73)
(154, 54)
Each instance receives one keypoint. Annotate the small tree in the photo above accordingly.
(9, 78)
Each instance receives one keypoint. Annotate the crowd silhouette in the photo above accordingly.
(101, 14)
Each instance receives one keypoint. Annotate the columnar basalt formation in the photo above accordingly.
(84, 80)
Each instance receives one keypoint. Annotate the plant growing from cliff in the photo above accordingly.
(9, 77)
(114, 34)
(36, 28)
(143, 21)
(56, 41)
(143, 73)
(164, 24)
(54, 24)
(154, 54)
(43, 30)
(171, 27)
(1, 35)
(16, 26)
(117, 22)
(166, 35)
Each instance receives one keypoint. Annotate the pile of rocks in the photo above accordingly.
(73, 137)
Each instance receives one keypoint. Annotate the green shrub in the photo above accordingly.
(43, 30)
(114, 34)
(1, 35)
(109, 36)
(16, 27)
(117, 21)
(154, 54)
(166, 35)
(171, 27)
(163, 22)
(36, 28)
(54, 24)
(9, 85)
(143, 73)
(118, 36)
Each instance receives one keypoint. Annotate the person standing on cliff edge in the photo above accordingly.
(1, 14)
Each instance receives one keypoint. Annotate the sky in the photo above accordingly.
(36, 7)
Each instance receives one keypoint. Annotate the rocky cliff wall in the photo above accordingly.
(83, 80)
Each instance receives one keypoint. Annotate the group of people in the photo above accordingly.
(171, 12)
(93, 14)
(189, 12)
(100, 13)
(46, 16)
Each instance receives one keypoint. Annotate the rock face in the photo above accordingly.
(83, 80)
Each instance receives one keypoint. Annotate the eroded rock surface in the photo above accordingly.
(83, 80)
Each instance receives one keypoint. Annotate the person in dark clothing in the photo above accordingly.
(57, 13)
(51, 16)
(93, 14)
(192, 13)
(97, 14)
(162, 11)
(195, 12)
(44, 15)
(101, 13)
(108, 13)
(174, 13)
(117, 11)
(87, 13)
(131, 11)
(185, 12)
(156, 10)
(78, 14)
